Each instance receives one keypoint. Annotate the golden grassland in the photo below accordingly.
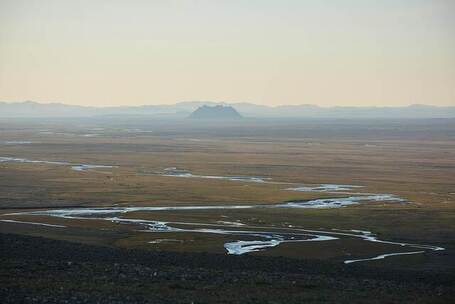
(421, 171)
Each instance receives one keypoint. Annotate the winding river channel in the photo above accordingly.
(264, 237)
(243, 237)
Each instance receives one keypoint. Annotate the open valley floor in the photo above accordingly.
(170, 204)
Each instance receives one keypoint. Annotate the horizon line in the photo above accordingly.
(233, 103)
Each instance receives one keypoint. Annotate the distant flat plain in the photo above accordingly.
(413, 159)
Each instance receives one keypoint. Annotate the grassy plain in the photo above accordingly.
(414, 159)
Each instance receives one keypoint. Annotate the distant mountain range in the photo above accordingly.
(183, 109)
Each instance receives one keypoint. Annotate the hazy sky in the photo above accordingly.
(326, 52)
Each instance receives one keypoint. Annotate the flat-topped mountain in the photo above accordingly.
(215, 112)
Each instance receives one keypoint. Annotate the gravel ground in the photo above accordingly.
(38, 270)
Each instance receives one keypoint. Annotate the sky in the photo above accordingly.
(135, 52)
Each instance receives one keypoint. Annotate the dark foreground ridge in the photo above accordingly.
(38, 270)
